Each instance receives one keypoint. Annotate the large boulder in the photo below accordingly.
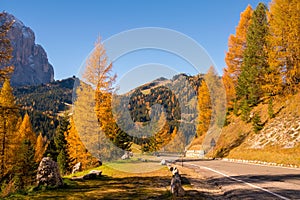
(48, 173)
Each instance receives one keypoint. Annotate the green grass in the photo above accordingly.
(114, 184)
(135, 165)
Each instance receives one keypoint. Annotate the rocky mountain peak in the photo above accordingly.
(29, 59)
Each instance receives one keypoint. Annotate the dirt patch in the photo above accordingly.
(198, 182)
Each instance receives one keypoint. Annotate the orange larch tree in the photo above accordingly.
(284, 47)
(234, 55)
(40, 148)
(9, 115)
(25, 130)
(204, 109)
(76, 149)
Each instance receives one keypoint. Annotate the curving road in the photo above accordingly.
(249, 181)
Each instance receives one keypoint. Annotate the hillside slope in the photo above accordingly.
(177, 96)
(44, 102)
(278, 141)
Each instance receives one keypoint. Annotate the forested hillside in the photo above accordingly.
(177, 96)
(261, 80)
(44, 102)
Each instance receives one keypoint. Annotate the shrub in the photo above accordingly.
(256, 123)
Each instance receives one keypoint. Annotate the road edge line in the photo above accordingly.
(241, 181)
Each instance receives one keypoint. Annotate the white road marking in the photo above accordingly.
(241, 181)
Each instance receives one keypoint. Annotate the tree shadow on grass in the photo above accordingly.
(105, 187)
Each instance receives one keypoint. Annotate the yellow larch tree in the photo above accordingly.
(177, 143)
(9, 115)
(98, 73)
(217, 95)
(234, 55)
(25, 130)
(284, 47)
(87, 125)
(40, 148)
(204, 109)
(163, 135)
(85, 118)
(93, 108)
(76, 149)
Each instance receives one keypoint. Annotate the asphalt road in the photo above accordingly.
(249, 181)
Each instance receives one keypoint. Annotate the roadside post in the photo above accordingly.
(212, 145)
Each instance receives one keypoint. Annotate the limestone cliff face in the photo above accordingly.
(29, 59)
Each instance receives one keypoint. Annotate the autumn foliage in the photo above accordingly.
(20, 148)
(263, 56)
(204, 109)
(284, 47)
(262, 62)
(235, 55)
(76, 149)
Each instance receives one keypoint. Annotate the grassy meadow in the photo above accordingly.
(116, 184)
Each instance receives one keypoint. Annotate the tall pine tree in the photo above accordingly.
(60, 141)
(234, 55)
(25, 166)
(255, 63)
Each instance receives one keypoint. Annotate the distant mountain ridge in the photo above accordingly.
(178, 97)
(29, 59)
(44, 102)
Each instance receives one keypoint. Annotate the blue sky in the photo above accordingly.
(68, 29)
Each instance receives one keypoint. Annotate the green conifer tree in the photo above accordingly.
(60, 141)
(245, 110)
(255, 62)
(25, 167)
(270, 109)
(256, 123)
